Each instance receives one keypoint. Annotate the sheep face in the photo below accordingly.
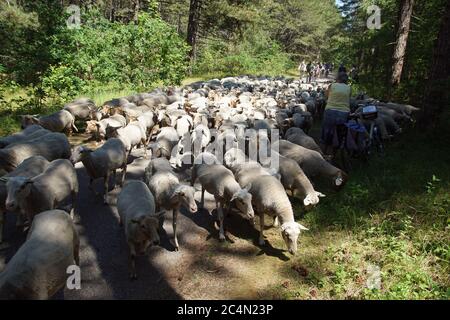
(185, 196)
(147, 227)
(290, 232)
(312, 199)
(28, 121)
(18, 188)
(77, 154)
(243, 200)
(339, 180)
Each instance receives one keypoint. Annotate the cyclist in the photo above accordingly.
(336, 112)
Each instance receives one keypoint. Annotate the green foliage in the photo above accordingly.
(102, 52)
(394, 215)
(255, 53)
(26, 34)
(372, 50)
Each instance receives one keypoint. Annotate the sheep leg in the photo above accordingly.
(219, 205)
(74, 199)
(202, 200)
(144, 143)
(132, 262)
(2, 219)
(174, 225)
(124, 173)
(76, 250)
(106, 187)
(261, 230)
(91, 186)
(115, 178)
(193, 176)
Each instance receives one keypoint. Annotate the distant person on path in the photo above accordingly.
(309, 70)
(327, 69)
(302, 69)
(336, 111)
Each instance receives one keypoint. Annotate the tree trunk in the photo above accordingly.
(192, 31)
(406, 9)
(136, 11)
(436, 95)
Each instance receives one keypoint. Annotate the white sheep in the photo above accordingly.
(298, 136)
(38, 270)
(200, 138)
(45, 191)
(166, 140)
(103, 162)
(269, 197)
(136, 207)
(312, 163)
(59, 121)
(183, 125)
(29, 133)
(219, 181)
(98, 128)
(132, 135)
(29, 168)
(294, 179)
(169, 193)
(51, 146)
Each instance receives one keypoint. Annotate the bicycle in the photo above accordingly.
(369, 113)
(360, 148)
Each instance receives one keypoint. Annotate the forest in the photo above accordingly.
(138, 44)
(394, 211)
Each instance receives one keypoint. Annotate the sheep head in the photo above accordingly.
(148, 227)
(185, 196)
(243, 200)
(312, 199)
(78, 154)
(290, 232)
(28, 120)
(340, 179)
(18, 188)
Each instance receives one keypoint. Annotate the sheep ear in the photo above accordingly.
(234, 197)
(248, 187)
(302, 227)
(321, 195)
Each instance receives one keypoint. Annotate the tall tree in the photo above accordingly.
(406, 9)
(194, 21)
(436, 95)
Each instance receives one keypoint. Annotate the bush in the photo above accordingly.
(101, 52)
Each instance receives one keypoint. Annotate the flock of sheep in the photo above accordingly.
(200, 131)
